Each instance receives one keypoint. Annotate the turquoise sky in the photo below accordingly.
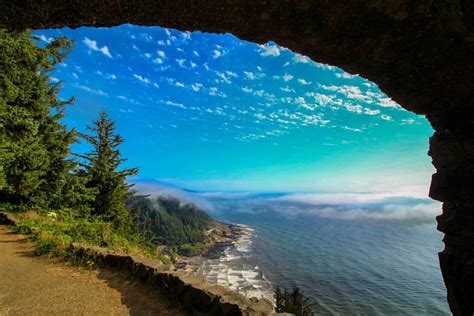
(212, 112)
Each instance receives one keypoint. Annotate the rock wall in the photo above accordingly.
(452, 150)
(193, 292)
(421, 53)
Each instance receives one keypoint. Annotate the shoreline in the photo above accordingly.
(228, 262)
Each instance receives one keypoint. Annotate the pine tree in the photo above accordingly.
(102, 170)
(293, 302)
(34, 144)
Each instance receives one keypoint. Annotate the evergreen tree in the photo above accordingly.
(293, 302)
(34, 144)
(102, 169)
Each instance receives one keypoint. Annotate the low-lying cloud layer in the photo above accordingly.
(376, 206)
(345, 206)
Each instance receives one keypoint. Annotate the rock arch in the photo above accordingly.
(421, 53)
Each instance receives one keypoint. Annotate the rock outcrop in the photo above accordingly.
(421, 53)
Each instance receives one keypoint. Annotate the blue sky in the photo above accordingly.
(211, 112)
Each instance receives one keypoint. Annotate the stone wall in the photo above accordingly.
(192, 292)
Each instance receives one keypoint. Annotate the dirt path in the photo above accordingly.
(40, 286)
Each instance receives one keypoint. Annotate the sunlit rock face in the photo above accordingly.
(419, 52)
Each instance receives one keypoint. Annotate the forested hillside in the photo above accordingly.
(169, 221)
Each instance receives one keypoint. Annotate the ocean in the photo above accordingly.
(352, 254)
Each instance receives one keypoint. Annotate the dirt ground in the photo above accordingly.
(32, 285)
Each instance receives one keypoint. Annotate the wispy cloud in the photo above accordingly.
(93, 46)
(269, 50)
(142, 79)
(297, 58)
(89, 89)
(216, 54)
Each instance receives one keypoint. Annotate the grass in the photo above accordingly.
(53, 233)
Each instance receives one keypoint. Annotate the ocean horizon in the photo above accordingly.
(366, 255)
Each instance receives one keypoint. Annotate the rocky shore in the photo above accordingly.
(228, 262)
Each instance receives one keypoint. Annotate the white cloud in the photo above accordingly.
(175, 104)
(179, 84)
(301, 102)
(247, 90)
(250, 75)
(386, 117)
(352, 129)
(388, 103)
(181, 62)
(142, 79)
(231, 74)
(325, 66)
(89, 89)
(269, 50)
(304, 82)
(214, 91)
(407, 121)
(146, 37)
(287, 77)
(216, 54)
(254, 75)
(158, 61)
(161, 53)
(93, 45)
(44, 39)
(371, 112)
(297, 58)
(75, 75)
(353, 108)
(287, 89)
(345, 75)
(321, 99)
(223, 76)
(351, 92)
(164, 43)
(186, 35)
(196, 86)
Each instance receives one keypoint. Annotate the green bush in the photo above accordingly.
(190, 250)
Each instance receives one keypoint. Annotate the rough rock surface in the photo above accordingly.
(193, 292)
(421, 53)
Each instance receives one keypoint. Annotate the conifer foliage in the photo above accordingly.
(34, 144)
(102, 168)
(37, 168)
(294, 302)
